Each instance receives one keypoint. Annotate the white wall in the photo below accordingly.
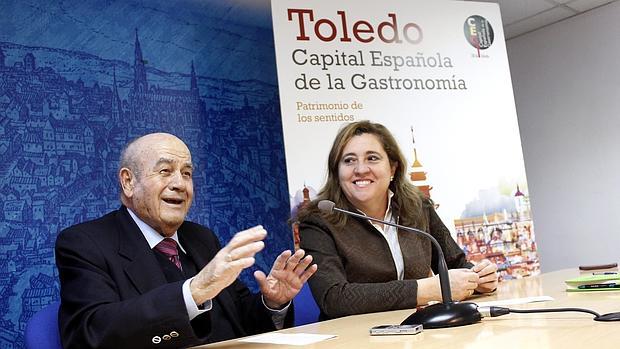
(566, 80)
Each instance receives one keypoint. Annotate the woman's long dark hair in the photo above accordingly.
(408, 198)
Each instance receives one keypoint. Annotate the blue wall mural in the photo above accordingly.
(79, 78)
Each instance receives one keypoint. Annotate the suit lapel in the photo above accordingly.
(410, 241)
(195, 248)
(143, 270)
(202, 253)
(141, 266)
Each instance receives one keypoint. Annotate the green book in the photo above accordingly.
(588, 283)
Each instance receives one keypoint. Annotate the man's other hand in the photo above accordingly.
(286, 278)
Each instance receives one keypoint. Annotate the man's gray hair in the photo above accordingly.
(129, 158)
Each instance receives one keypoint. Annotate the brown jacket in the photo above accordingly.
(356, 271)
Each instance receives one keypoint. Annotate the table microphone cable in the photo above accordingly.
(499, 311)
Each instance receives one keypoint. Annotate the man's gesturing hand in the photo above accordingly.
(286, 278)
(227, 264)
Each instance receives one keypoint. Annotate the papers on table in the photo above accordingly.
(288, 338)
(514, 301)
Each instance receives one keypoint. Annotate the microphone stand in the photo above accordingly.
(445, 314)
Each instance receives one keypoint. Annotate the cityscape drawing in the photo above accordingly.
(65, 115)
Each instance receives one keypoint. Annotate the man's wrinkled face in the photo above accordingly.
(161, 192)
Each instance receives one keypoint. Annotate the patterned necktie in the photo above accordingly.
(169, 248)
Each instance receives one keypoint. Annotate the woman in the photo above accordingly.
(367, 267)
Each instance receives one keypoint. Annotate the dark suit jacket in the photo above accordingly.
(357, 273)
(115, 295)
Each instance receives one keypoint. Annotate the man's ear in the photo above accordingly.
(127, 180)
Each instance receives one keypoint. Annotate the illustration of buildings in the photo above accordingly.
(60, 139)
(505, 238)
(40, 293)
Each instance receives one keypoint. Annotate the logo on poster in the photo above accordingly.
(478, 32)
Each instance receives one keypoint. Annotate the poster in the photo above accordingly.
(436, 74)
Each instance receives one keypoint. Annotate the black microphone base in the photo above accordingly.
(445, 315)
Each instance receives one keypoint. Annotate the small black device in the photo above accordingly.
(383, 330)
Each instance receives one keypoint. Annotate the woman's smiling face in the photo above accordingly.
(364, 173)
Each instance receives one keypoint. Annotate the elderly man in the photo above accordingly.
(142, 276)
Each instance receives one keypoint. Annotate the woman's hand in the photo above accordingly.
(487, 272)
(463, 282)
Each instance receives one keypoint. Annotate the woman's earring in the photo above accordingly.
(391, 178)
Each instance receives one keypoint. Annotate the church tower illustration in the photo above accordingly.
(193, 84)
(417, 174)
(168, 106)
(117, 104)
(29, 62)
(522, 205)
(305, 201)
(139, 80)
(2, 58)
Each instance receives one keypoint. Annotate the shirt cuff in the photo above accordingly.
(277, 315)
(194, 309)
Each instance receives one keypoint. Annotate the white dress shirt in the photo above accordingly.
(390, 234)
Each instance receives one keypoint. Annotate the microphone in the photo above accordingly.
(445, 314)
